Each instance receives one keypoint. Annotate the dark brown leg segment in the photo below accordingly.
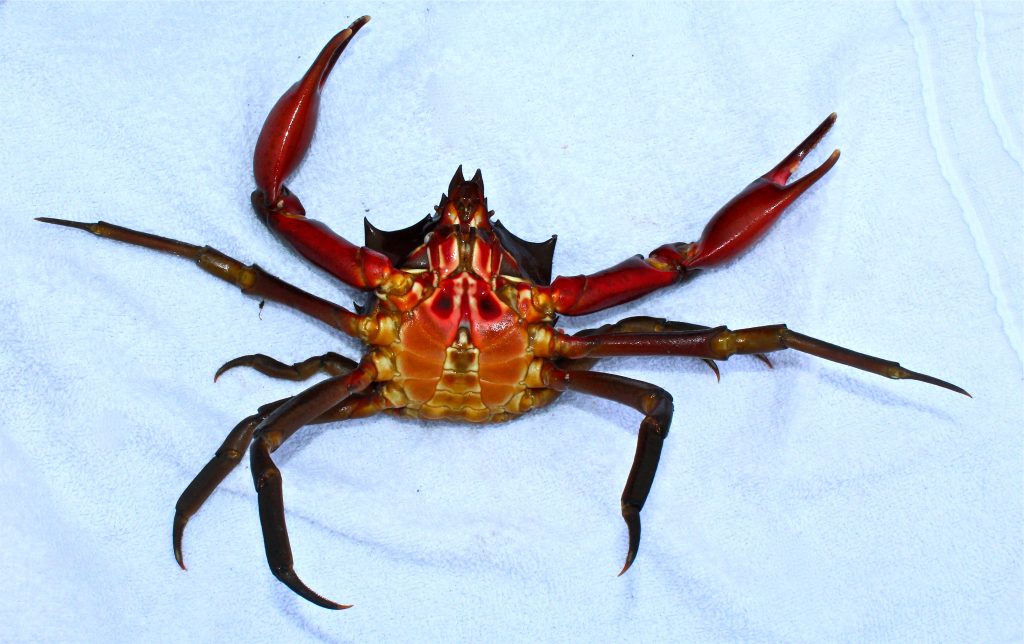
(331, 363)
(656, 405)
(203, 485)
(647, 324)
(720, 343)
(252, 280)
(271, 433)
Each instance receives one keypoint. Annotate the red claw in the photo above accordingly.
(282, 144)
(286, 135)
(742, 221)
(733, 229)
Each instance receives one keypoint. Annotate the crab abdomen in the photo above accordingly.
(463, 354)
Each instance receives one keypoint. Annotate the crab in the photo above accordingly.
(461, 318)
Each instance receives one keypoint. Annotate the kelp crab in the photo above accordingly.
(461, 320)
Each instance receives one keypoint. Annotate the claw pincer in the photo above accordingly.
(289, 127)
(748, 215)
(282, 144)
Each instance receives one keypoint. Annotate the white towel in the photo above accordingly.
(811, 502)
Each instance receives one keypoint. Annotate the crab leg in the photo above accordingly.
(272, 432)
(230, 454)
(645, 324)
(733, 229)
(656, 405)
(202, 486)
(252, 280)
(282, 144)
(720, 343)
(332, 363)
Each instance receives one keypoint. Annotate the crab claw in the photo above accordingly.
(742, 221)
(288, 130)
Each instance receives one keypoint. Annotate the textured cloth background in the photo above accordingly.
(806, 503)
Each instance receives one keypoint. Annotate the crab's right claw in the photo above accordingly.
(742, 221)
(288, 130)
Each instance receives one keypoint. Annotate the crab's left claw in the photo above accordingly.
(287, 133)
(742, 221)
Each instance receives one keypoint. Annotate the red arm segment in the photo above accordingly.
(282, 144)
(735, 227)
(623, 282)
(357, 266)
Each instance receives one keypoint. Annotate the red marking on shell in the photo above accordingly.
(443, 304)
(488, 306)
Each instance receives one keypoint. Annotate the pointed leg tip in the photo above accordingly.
(931, 380)
(631, 515)
(177, 533)
(289, 578)
(323, 602)
(231, 364)
(959, 390)
(629, 562)
(66, 222)
(177, 551)
(946, 385)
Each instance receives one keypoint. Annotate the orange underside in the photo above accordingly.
(454, 364)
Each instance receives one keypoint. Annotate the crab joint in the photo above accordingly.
(756, 340)
(543, 302)
(671, 257)
(542, 339)
(396, 283)
(384, 363)
(541, 374)
(378, 330)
